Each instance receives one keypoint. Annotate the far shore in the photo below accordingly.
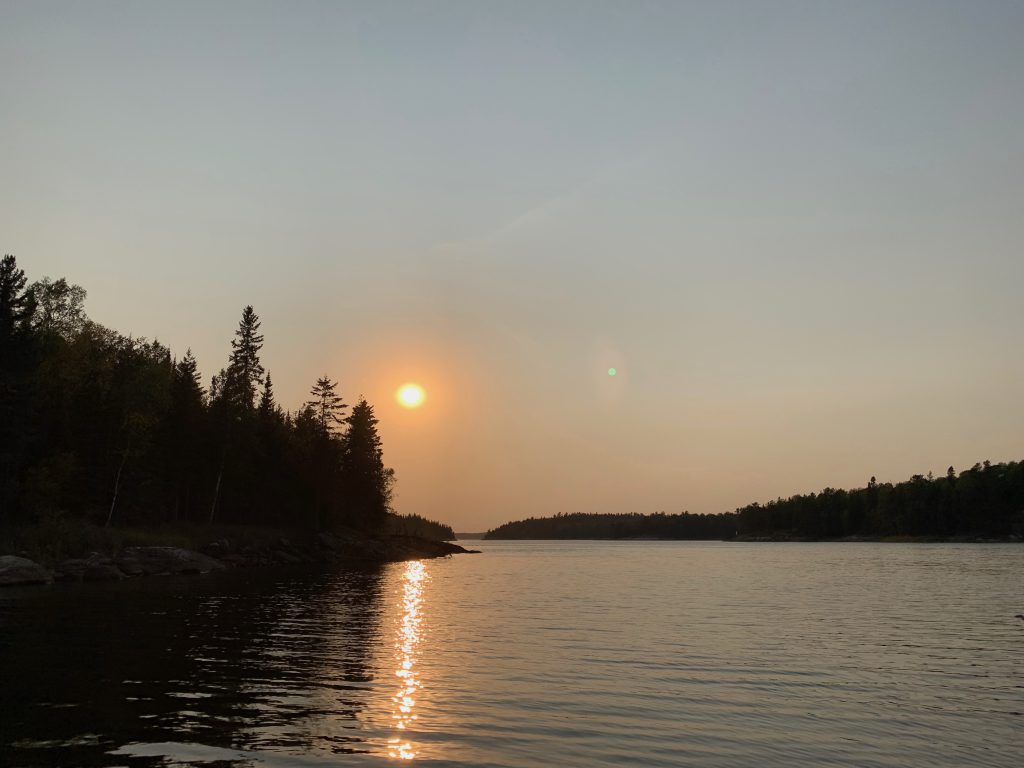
(784, 538)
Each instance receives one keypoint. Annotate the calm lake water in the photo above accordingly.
(533, 653)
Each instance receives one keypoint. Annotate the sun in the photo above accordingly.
(410, 395)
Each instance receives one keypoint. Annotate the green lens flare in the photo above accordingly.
(612, 371)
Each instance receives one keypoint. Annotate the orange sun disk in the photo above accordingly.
(410, 395)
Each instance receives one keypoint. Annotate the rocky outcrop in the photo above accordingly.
(20, 570)
(355, 547)
(337, 547)
(413, 548)
(158, 561)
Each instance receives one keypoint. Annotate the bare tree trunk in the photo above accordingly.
(216, 490)
(117, 484)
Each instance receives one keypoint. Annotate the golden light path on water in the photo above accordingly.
(407, 640)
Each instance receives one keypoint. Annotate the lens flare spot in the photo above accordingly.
(612, 371)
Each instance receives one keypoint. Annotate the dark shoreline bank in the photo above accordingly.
(162, 554)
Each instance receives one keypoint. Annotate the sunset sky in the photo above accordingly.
(795, 229)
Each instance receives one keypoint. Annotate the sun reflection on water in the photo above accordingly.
(407, 639)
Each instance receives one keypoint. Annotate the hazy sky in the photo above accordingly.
(795, 229)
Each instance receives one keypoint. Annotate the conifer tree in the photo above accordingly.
(267, 406)
(16, 361)
(326, 404)
(367, 483)
(16, 304)
(186, 376)
(244, 373)
(185, 422)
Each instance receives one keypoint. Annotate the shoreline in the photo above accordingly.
(158, 553)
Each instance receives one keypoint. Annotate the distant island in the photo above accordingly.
(983, 502)
(109, 442)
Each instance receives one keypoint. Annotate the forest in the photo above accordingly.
(580, 525)
(110, 429)
(985, 501)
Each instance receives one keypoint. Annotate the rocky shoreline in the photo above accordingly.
(222, 554)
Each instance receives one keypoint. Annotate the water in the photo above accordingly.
(533, 653)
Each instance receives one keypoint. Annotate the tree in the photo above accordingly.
(184, 432)
(366, 482)
(267, 406)
(244, 373)
(16, 304)
(233, 396)
(327, 406)
(59, 307)
(16, 363)
(140, 386)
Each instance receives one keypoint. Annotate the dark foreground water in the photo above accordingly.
(533, 654)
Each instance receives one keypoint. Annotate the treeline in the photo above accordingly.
(415, 525)
(985, 501)
(113, 429)
(580, 525)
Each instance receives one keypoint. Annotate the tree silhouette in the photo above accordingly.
(16, 304)
(185, 432)
(267, 406)
(366, 482)
(244, 372)
(326, 404)
(59, 307)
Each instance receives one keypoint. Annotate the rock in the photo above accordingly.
(150, 561)
(96, 567)
(280, 556)
(71, 570)
(218, 548)
(20, 570)
(327, 541)
(100, 568)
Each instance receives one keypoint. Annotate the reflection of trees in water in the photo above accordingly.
(244, 661)
(286, 668)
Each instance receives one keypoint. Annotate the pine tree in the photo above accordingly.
(366, 482)
(326, 404)
(244, 373)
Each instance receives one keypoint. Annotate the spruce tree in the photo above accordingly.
(245, 373)
(267, 406)
(326, 405)
(185, 433)
(16, 304)
(186, 376)
(366, 482)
